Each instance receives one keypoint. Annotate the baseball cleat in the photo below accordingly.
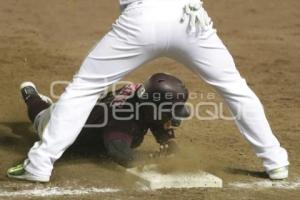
(19, 172)
(279, 173)
(28, 89)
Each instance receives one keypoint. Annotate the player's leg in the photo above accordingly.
(210, 59)
(38, 109)
(118, 53)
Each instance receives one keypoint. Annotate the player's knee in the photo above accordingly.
(120, 152)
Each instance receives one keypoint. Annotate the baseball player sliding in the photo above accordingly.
(145, 30)
(122, 131)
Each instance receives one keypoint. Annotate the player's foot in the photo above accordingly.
(28, 89)
(19, 172)
(279, 173)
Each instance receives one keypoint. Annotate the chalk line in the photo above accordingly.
(267, 184)
(55, 191)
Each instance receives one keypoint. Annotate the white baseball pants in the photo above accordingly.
(145, 31)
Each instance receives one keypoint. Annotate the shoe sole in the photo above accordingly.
(28, 178)
(26, 84)
(279, 177)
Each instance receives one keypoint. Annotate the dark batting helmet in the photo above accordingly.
(164, 88)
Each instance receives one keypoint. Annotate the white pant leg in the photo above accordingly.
(207, 56)
(210, 59)
(119, 52)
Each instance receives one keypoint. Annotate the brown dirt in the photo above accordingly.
(45, 41)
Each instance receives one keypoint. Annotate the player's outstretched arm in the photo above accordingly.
(165, 137)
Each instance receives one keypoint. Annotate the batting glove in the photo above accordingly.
(198, 17)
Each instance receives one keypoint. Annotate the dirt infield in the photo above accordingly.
(44, 41)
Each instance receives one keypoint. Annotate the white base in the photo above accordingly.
(152, 179)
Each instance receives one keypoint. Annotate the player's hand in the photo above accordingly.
(166, 150)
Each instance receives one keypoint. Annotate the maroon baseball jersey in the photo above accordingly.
(133, 130)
